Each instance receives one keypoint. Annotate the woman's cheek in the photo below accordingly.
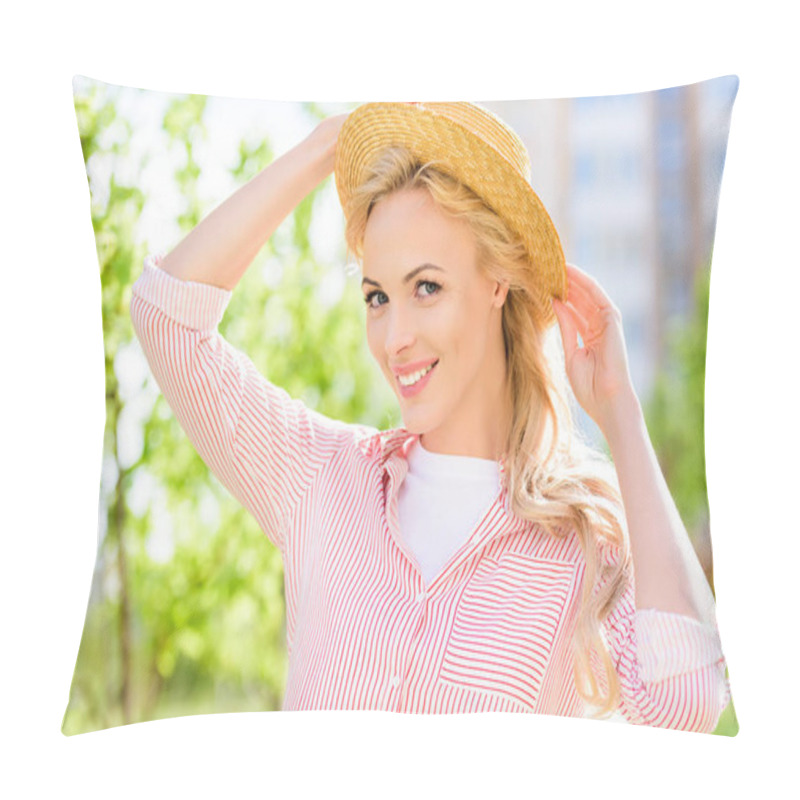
(375, 346)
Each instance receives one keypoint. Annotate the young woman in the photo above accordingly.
(481, 557)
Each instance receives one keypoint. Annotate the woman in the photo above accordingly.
(481, 557)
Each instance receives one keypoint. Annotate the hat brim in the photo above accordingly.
(458, 151)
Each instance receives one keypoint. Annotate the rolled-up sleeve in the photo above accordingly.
(671, 667)
(263, 446)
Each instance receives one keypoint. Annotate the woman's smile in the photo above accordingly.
(416, 382)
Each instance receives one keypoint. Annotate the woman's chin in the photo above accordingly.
(412, 426)
(418, 423)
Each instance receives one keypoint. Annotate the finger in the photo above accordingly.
(568, 327)
(583, 301)
(577, 317)
(590, 286)
(571, 325)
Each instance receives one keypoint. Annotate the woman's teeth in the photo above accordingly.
(409, 380)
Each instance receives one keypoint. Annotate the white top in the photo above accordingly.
(441, 500)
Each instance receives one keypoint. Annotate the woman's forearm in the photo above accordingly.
(222, 246)
(668, 574)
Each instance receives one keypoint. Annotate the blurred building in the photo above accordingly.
(632, 182)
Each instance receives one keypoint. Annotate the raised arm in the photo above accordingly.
(219, 249)
(264, 446)
(668, 574)
(662, 633)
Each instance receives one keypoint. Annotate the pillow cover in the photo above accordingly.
(188, 607)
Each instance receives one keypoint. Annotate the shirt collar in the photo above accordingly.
(392, 447)
(397, 441)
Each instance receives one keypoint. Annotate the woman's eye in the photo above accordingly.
(431, 289)
(368, 298)
(433, 284)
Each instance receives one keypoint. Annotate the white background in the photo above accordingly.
(52, 407)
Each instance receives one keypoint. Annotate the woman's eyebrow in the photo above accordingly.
(407, 277)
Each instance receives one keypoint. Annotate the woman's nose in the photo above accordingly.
(399, 332)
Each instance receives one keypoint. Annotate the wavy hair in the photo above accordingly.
(552, 476)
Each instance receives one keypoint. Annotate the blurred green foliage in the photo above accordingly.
(675, 410)
(193, 623)
(675, 421)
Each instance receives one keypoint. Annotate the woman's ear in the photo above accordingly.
(500, 293)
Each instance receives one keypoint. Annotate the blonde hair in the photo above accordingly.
(552, 476)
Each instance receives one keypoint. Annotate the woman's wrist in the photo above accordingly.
(625, 416)
(316, 157)
(323, 140)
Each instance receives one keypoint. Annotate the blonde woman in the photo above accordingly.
(481, 557)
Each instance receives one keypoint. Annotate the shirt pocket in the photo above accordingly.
(505, 625)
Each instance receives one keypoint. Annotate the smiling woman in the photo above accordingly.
(456, 323)
(481, 557)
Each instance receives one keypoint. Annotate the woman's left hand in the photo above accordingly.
(598, 371)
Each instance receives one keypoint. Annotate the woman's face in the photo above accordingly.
(428, 304)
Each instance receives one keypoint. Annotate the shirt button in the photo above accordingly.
(395, 681)
(421, 596)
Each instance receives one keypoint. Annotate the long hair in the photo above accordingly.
(552, 476)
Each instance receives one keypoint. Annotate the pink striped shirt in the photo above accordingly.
(493, 630)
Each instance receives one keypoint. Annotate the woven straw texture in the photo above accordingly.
(473, 145)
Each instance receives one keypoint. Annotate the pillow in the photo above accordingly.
(189, 611)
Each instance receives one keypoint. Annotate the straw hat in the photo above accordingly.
(473, 145)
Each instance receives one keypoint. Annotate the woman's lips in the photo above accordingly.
(410, 369)
(410, 391)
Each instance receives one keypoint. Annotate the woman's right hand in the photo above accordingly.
(326, 134)
(222, 245)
